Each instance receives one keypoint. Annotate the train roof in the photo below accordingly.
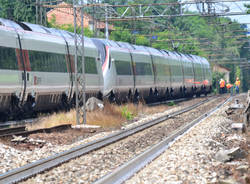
(10, 23)
(154, 51)
(34, 28)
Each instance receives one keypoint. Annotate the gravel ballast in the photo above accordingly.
(191, 159)
(13, 157)
(92, 166)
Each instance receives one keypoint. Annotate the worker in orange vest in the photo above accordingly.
(230, 88)
(222, 86)
(237, 85)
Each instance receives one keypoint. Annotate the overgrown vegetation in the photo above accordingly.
(126, 113)
(171, 103)
(111, 116)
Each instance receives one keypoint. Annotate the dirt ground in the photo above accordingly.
(229, 171)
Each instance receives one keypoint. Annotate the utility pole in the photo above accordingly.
(106, 23)
(80, 80)
(76, 69)
(37, 1)
(83, 65)
(41, 12)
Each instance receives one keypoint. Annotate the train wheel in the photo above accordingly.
(167, 94)
(3, 117)
(100, 96)
(111, 97)
(129, 96)
(136, 97)
(156, 95)
(171, 93)
(15, 111)
(150, 98)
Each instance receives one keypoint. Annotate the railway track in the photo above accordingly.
(45, 164)
(128, 169)
(20, 131)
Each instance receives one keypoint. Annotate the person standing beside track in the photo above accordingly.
(237, 85)
(222, 86)
(230, 88)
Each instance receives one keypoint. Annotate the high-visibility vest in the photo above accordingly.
(222, 84)
(229, 85)
(237, 83)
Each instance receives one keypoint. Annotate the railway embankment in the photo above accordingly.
(17, 154)
(90, 167)
(195, 157)
(192, 158)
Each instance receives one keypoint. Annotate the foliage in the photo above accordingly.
(126, 113)
(171, 103)
(248, 8)
(216, 76)
(142, 40)
(18, 10)
(121, 35)
(238, 72)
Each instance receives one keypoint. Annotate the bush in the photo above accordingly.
(127, 114)
(171, 103)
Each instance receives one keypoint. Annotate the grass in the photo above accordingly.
(112, 116)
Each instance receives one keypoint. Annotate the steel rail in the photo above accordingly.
(20, 131)
(16, 123)
(128, 169)
(39, 166)
(4, 131)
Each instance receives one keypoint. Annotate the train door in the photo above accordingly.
(10, 75)
(24, 68)
(70, 70)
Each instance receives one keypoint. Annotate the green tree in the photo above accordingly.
(248, 8)
(142, 40)
(121, 35)
(7, 9)
(17, 10)
(25, 11)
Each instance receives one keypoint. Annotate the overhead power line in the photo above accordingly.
(149, 11)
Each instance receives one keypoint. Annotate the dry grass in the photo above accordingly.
(109, 117)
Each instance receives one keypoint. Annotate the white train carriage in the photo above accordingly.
(143, 68)
(46, 73)
(37, 67)
(207, 81)
(11, 73)
(188, 73)
(121, 74)
(198, 75)
(175, 62)
(162, 72)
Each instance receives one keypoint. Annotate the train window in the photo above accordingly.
(123, 67)
(47, 62)
(143, 69)
(8, 58)
(90, 65)
(162, 70)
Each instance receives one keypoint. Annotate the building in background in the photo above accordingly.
(222, 69)
(66, 16)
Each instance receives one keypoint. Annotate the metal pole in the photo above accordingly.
(41, 13)
(106, 21)
(36, 11)
(45, 17)
(76, 71)
(83, 66)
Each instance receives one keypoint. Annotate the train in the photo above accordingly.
(37, 70)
